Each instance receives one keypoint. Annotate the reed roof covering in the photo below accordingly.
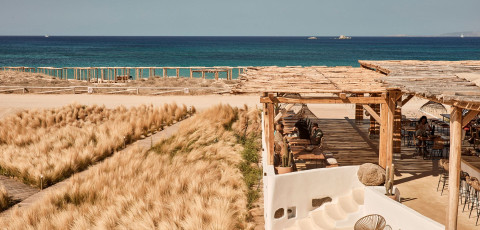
(314, 79)
(450, 82)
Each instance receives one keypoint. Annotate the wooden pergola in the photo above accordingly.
(454, 83)
(323, 85)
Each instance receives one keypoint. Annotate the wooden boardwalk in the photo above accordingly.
(34, 195)
(18, 190)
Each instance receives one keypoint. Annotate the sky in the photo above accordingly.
(238, 18)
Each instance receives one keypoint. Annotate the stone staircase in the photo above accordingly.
(340, 214)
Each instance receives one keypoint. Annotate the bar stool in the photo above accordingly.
(443, 177)
(463, 186)
(475, 202)
(437, 148)
(469, 193)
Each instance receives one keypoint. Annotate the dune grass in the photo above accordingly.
(47, 146)
(189, 181)
(5, 199)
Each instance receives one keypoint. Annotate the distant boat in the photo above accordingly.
(46, 35)
(461, 35)
(312, 38)
(344, 37)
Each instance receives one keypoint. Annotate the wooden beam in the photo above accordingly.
(390, 126)
(280, 114)
(469, 116)
(270, 131)
(325, 100)
(454, 167)
(372, 113)
(382, 144)
(398, 96)
(409, 97)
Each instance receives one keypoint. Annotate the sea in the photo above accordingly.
(105, 51)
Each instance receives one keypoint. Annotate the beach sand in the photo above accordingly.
(11, 103)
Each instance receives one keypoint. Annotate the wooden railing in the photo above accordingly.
(114, 74)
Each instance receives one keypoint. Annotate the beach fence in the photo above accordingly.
(123, 74)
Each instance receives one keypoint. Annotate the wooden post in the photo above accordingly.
(270, 113)
(178, 73)
(371, 130)
(454, 167)
(191, 73)
(216, 75)
(391, 102)
(359, 111)
(164, 73)
(203, 73)
(397, 132)
(382, 144)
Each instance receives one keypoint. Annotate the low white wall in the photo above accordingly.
(297, 190)
(397, 215)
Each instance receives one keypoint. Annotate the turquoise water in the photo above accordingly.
(227, 51)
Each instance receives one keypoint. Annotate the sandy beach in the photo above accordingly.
(11, 103)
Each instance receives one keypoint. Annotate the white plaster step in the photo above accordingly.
(342, 213)
(321, 219)
(308, 224)
(358, 195)
(351, 219)
(335, 211)
(348, 203)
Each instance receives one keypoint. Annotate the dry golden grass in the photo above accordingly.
(189, 181)
(55, 143)
(5, 199)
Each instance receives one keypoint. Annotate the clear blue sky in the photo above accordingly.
(239, 17)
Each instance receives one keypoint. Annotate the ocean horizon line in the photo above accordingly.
(248, 36)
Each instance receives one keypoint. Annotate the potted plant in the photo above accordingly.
(286, 162)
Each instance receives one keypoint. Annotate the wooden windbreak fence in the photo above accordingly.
(122, 74)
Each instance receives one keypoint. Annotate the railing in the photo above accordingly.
(108, 90)
(114, 74)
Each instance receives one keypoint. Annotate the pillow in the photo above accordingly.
(332, 161)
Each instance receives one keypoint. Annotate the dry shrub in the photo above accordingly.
(56, 143)
(189, 181)
(5, 199)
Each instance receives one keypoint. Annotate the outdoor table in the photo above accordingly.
(299, 141)
(316, 155)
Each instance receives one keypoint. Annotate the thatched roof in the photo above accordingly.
(314, 79)
(449, 82)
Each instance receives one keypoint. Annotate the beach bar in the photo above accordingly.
(454, 83)
(380, 88)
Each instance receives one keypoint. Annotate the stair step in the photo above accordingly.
(307, 224)
(348, 203)
(293, 227)
(351, 219)
(358, 195)
(335, 211)
(322, 220)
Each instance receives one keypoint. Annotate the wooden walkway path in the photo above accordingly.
(31, 195)
(18, 190)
